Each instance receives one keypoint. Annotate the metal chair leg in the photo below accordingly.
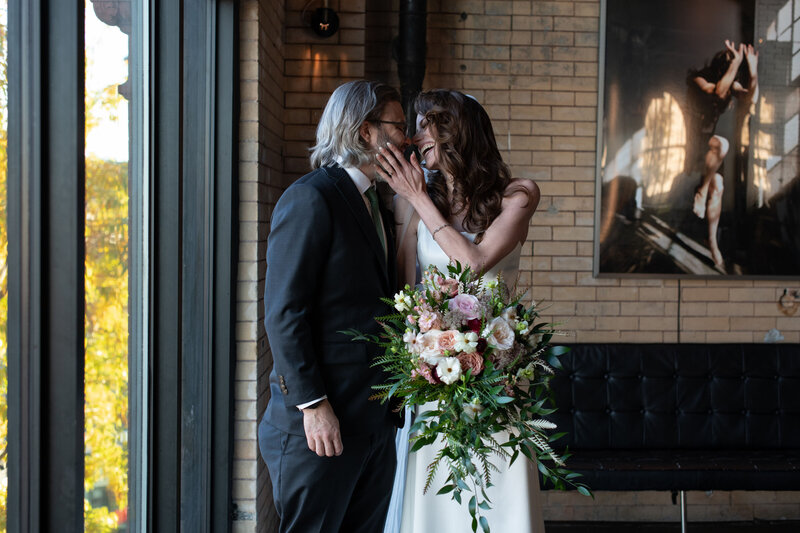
(683, 511)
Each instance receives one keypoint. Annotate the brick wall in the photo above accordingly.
(534, 66)
(261, 181)
(314, 67)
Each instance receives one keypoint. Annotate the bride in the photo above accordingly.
(470, 211)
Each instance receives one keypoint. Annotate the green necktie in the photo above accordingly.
(372, 196)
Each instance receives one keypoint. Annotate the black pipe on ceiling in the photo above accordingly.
(410, 54)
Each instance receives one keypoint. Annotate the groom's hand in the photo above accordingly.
(322, 430)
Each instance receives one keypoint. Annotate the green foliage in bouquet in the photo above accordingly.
(483, 361)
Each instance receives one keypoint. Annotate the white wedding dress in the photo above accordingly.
(515, 497)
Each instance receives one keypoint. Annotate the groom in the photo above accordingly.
(329, 449)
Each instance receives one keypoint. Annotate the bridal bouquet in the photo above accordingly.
(482, 360)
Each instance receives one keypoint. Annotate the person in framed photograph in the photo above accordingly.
(732, 74)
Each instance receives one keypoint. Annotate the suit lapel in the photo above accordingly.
(358, 209)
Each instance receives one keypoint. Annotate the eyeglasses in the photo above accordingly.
(399, 125)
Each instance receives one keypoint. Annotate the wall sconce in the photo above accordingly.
(325, 21)
(789, 301)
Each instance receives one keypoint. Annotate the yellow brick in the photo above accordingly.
(644, 336)
(705, 295)
(705, 324)
(618, 293)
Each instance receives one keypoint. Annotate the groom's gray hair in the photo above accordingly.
(338, 138)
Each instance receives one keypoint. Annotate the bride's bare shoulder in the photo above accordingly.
(523, 192)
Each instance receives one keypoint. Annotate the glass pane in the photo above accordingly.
(107, 264)
(3, 266)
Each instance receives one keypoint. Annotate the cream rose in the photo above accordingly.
(498, 334)
(428, 346)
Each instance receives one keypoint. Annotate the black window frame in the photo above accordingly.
(193, 248)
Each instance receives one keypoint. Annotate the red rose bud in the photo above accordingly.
(474, 324)
(482, 344)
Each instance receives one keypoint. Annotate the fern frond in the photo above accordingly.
(432, 468)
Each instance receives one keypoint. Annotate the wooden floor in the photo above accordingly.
(761, 526)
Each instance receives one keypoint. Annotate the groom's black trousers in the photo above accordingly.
(346, 494)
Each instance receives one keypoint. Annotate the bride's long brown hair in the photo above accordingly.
(469, 153)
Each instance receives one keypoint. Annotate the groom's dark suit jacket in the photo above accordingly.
(326, 272)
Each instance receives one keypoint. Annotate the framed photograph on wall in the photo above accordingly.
(698, 150)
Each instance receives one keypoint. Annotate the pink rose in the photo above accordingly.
(447, 340)
(449, 286)
(472, 361)
(467, 304)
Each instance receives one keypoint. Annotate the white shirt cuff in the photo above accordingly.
(312, 402)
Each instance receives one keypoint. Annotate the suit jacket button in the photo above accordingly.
(282, 382)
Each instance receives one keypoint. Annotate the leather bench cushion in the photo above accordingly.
(679, 396)
(688, 469)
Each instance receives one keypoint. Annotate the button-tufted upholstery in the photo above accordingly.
(681, 416)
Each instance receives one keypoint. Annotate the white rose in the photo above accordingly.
(500, 336)
(449, 370)
(428, 346)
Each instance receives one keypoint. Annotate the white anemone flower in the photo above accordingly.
(467, 343)
(449, 370)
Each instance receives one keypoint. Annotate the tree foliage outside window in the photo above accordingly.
(3, 266)
(106, 319)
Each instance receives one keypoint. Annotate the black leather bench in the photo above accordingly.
(681, 417)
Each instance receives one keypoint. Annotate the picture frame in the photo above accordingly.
(698, 151)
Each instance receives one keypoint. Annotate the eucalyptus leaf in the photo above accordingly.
(446, 489)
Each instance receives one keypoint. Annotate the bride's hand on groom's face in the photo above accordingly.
(406, 178)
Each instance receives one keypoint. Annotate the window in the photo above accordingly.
(3, 266)
(109, 135)
(121, 271)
